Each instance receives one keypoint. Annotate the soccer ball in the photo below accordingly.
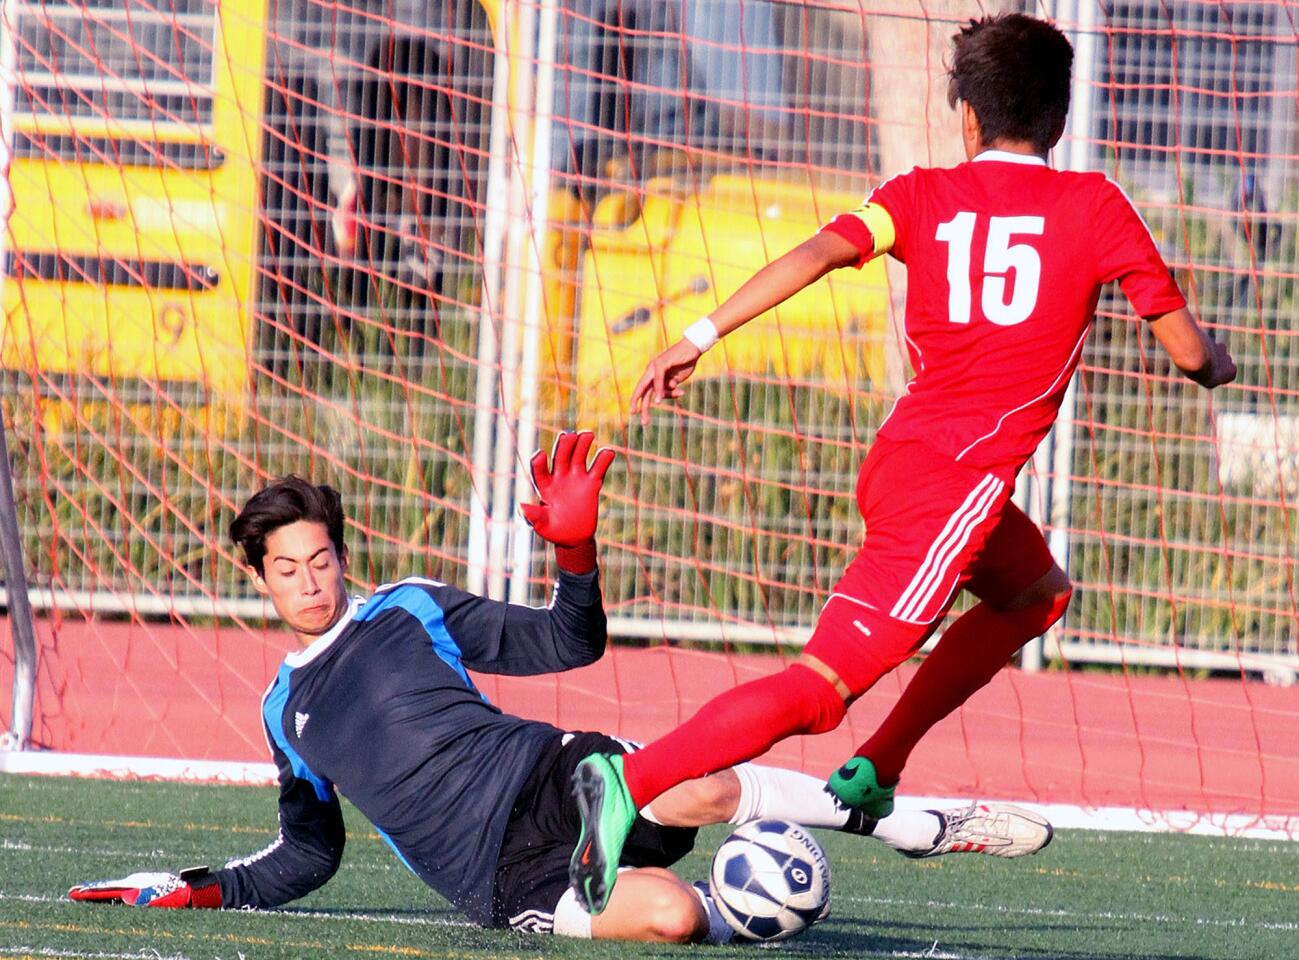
(771, 880)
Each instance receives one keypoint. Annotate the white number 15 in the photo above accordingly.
(999, 258)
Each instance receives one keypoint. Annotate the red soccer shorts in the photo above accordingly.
(933, 526)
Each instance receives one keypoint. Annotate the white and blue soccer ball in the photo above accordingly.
(770, 880)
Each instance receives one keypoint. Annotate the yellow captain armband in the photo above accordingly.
(880, 223)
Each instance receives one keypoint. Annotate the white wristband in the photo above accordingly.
(702, 333)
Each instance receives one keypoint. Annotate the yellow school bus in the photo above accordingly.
(177, 170)
(131, 242)
(184, 175)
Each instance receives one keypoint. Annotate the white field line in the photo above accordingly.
(971, 907)
(291, 912)
(933, 953)
(51, 952)
(371, 918)
(19, 846)
(1157, 918)
(30, 898)
(103, 766)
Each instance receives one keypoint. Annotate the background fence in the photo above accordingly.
(395, 246)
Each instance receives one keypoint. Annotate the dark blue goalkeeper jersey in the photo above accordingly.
(381, 709)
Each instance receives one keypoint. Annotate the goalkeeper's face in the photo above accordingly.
(302, 574)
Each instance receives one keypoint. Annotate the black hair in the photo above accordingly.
(281, 503)
(1013, 70)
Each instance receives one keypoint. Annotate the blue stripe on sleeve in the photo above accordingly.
(416, 601)
(273, 712)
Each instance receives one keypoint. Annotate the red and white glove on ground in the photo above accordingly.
(196, 887)
(570, 499)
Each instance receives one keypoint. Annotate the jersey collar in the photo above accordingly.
(323, 642)
(1005, 156)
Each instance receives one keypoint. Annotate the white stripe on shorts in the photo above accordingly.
(949, 543)
(922, 574)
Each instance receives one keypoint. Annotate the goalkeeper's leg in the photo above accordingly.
(651, 904)
(733, 727)
(755, 791)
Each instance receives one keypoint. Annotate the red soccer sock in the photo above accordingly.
(738, 725)
(969, 655)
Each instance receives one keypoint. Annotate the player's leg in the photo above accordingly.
(910, 541)
(531, 891)
(650, 904)
(735, 726)
(848, 652)
(1023, 593)
(754, 791)
(934, 547)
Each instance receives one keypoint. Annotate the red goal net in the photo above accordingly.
(396, 246)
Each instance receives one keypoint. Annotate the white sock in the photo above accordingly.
(790, 795)
(719, 931)
(785, 795)
(908, 829)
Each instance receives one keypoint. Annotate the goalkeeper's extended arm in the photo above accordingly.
(569, 494)
(305, 854)
(518, 640)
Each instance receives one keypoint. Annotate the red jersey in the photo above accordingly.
(1005, 261)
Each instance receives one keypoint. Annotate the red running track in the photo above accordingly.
(1095, 739)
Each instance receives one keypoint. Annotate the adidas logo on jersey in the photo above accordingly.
(300, 722)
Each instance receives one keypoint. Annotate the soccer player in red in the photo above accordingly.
(1005, 260)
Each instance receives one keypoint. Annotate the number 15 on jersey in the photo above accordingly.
(1004, 252)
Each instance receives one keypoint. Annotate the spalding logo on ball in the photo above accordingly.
(771, 880)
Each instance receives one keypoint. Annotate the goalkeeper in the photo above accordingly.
(377, 706)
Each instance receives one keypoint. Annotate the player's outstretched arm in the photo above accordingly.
(769, 287)
(1196, 354)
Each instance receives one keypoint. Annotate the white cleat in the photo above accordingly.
(995, 829)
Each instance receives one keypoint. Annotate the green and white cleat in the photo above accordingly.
(994, 829)
(608, 813)
(856, 786)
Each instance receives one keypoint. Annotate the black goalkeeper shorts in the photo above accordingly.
(532, 870)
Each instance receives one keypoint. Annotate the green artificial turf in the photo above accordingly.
(1089, 895)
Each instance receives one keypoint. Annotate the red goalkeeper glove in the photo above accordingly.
(570, 499)
(196, 887)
